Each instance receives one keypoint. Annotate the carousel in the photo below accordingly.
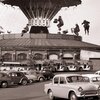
(36, 44)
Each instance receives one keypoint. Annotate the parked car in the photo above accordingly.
(31, 77)
(67, 67)
(85, 67)
(47, 74)
(18, 77)
(71, 86)
(97, 72)
(38, 76)
(92, 78)
(5, 80)
(70, 67)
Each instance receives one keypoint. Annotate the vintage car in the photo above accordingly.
(92, 78)
(31, 77)
(97, 72)
(5, 80)
(34, 75)
(17, 77)
(47, 74)
(84, 67)
(38, 76)
(70, 67)
(71, 86)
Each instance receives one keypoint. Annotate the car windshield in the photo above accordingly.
(72, 79)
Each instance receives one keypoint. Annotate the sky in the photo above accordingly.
(13, 19)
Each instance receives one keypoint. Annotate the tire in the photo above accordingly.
(51, 96)
(41, 79)
(73, 96)
(4, 84)
(24, 82)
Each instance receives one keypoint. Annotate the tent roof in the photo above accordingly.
(63, 3)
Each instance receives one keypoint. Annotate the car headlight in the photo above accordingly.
(80, 89)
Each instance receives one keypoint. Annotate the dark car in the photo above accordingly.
(5, 80)
(48, 74)
(18, 77)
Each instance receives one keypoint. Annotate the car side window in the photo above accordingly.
(18, 74)
(12, 74)
(56, 80)
(62, 80)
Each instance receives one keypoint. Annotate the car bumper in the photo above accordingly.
(88, 95)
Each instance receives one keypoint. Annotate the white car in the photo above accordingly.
(71, 86)
(34, 76)
(30, 77)
(72, 67)
(84, 67)
(92, 78)
(97, 72)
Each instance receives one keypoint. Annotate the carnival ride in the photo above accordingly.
(41, 12)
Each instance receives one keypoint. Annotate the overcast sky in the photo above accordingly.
(14, 20)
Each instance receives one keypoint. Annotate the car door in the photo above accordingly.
(55, 87)
(62, 87)
(15, 77)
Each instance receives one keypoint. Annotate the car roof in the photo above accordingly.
(97, 71)
(67, 75)
(91, 75)
(13, 72)
(2, 73)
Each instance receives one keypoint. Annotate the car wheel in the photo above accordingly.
(24, 82)
(73, 96)
(41, 79)
(4, 84)
(51, 96)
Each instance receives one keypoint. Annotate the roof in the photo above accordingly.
(66, 3)
(47, 43)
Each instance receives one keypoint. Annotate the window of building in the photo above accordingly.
(22, 56)
(7, 57)
(38, 56)
(53, 57)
